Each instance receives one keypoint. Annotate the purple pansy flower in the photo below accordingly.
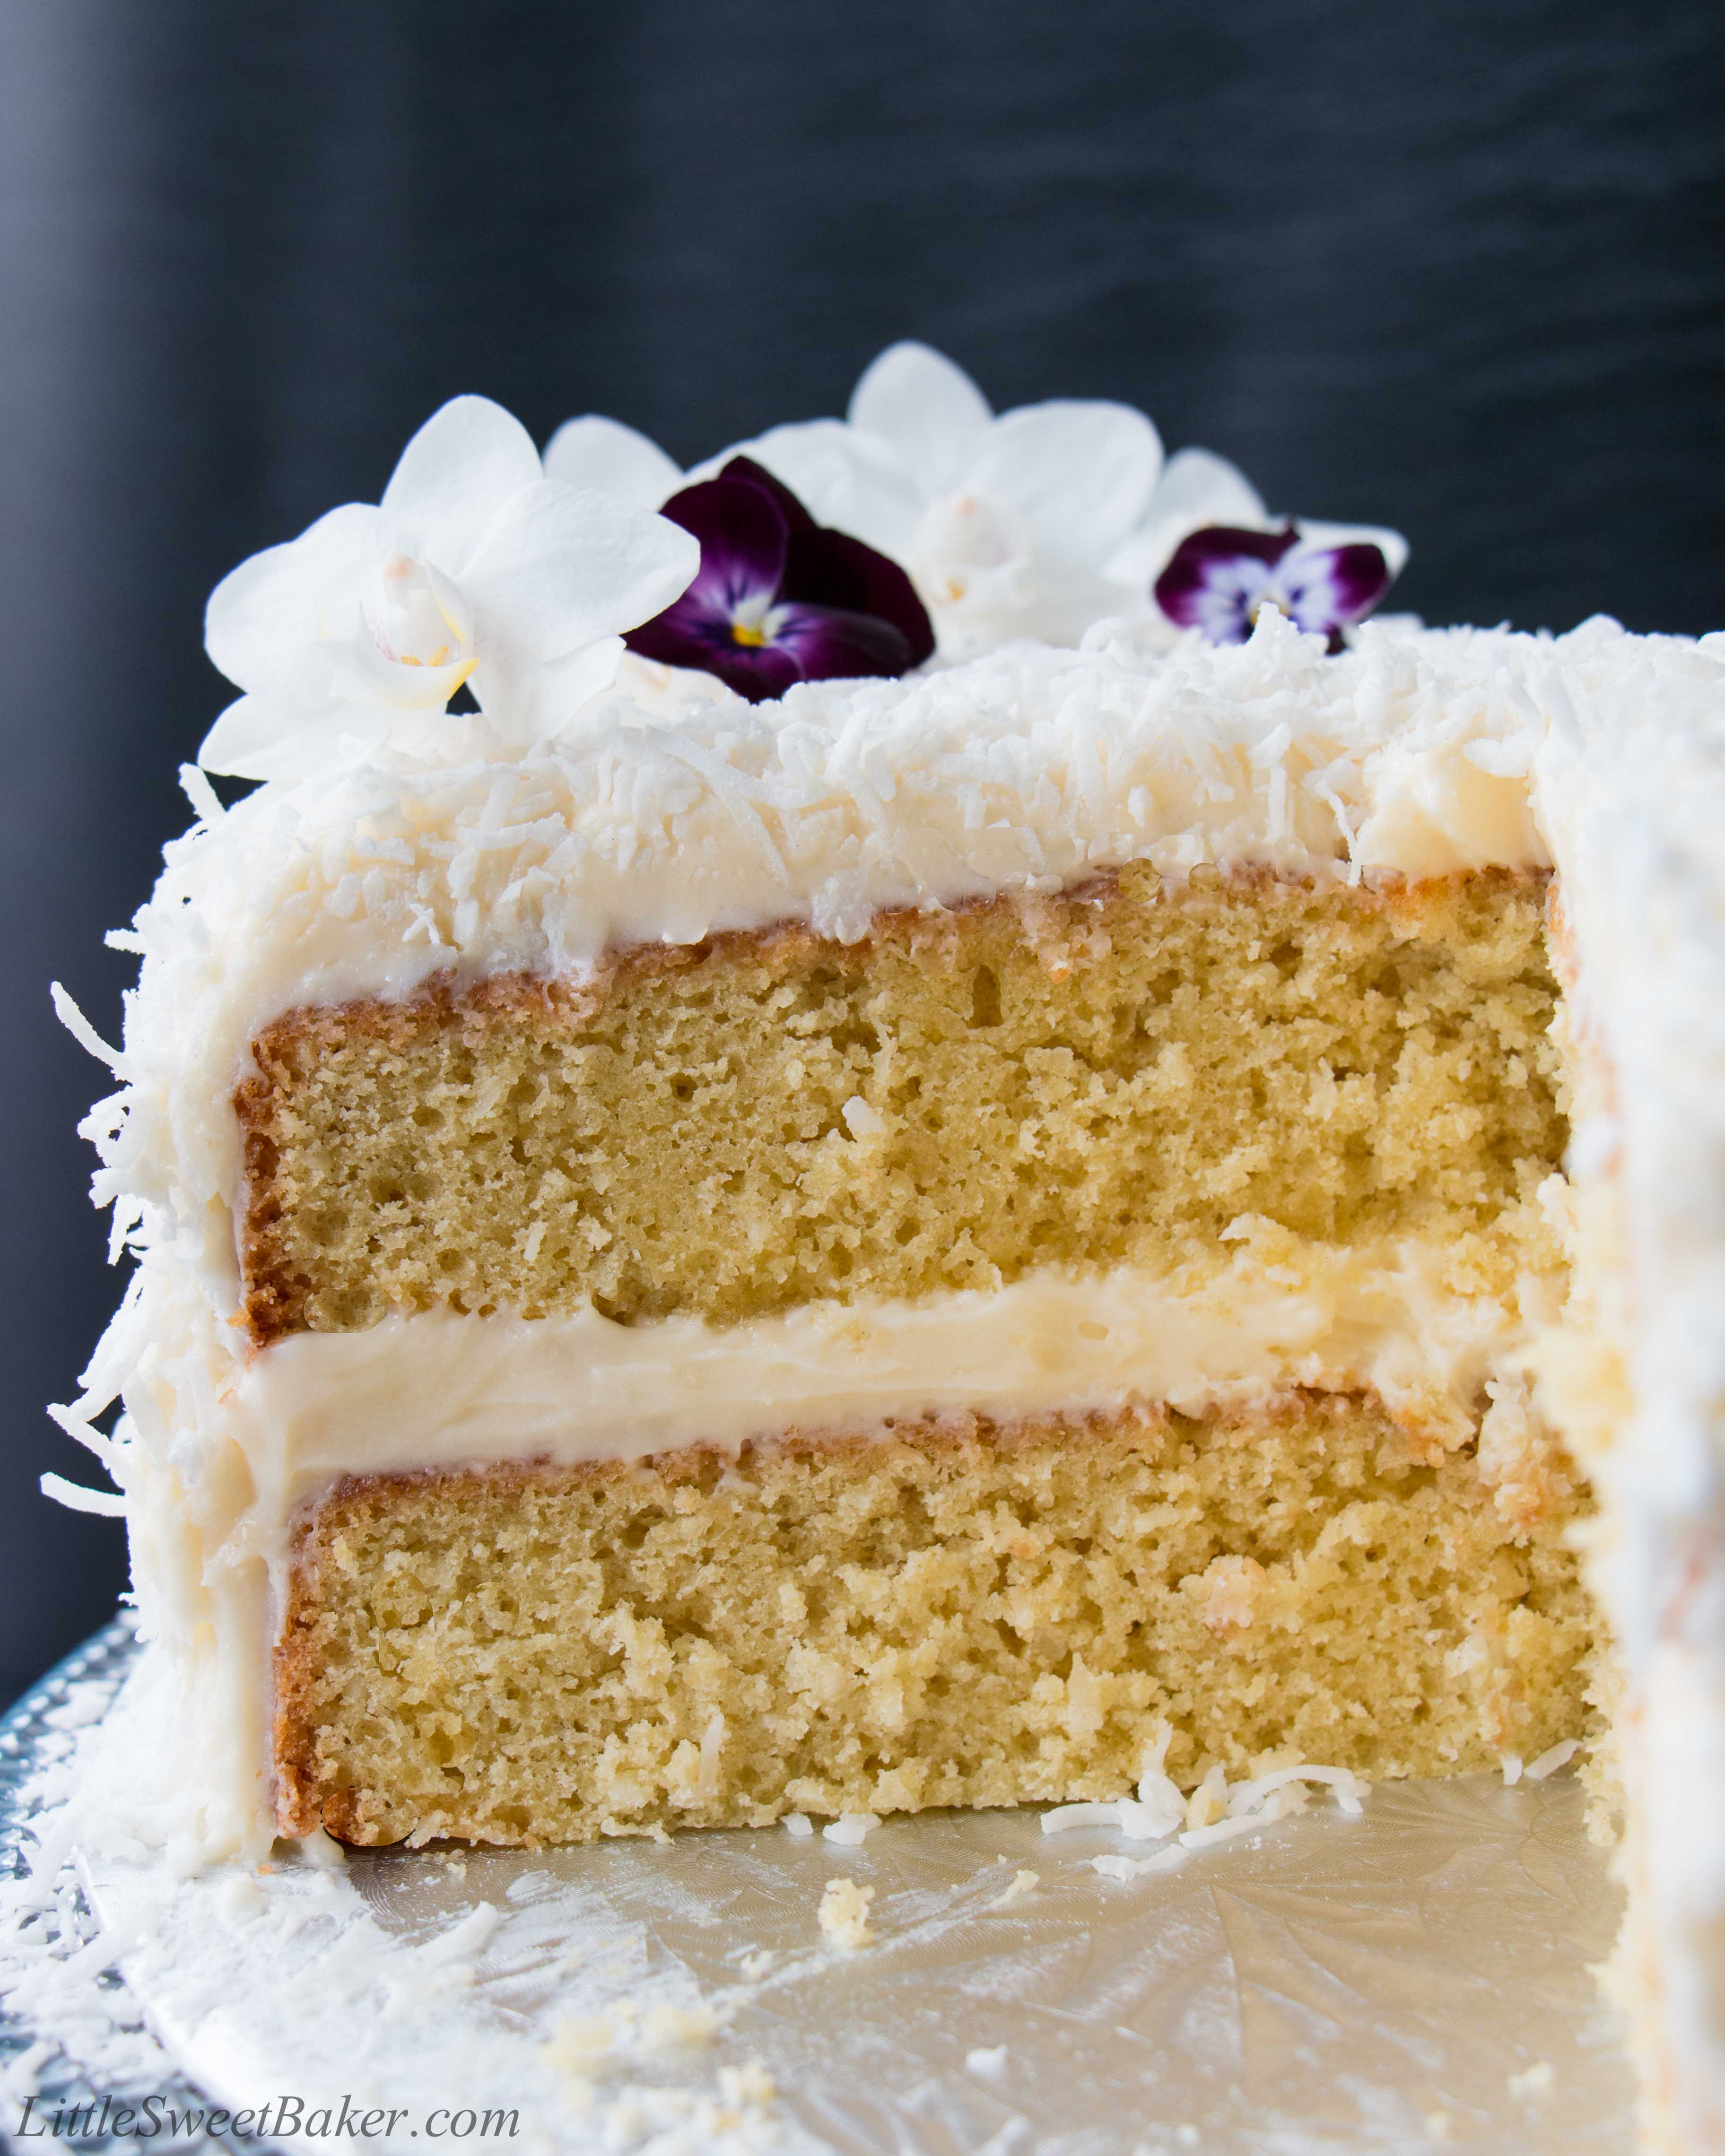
(1220, 578)
(779, 598)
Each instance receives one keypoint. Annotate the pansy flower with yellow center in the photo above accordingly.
(777, 598)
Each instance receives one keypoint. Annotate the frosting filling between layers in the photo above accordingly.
(436, 1390)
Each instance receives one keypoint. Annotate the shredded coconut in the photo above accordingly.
(851, 1828)
(1213, 1812)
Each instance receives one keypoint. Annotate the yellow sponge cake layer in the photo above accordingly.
(1107, 1077)
(947, 1612)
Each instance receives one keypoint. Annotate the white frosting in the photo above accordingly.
(440, 1390)
(1631, 789)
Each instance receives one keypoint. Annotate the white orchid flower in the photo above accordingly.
(475, 568)
(1004, 523)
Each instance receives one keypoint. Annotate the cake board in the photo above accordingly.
(1416, 1977)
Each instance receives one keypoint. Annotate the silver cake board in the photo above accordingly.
(1418, 1976)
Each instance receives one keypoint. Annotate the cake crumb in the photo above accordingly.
(860, 1120)
(578, 2039)
(1534, 2082)
(679, 2028)
(798, 1825)
(1022, 1883)
(748, 2083)
(851, 1828)
(987, 2065)
(845, 1913)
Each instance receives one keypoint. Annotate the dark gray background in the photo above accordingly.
(1454, 265)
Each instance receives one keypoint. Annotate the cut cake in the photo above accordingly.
(715, 1243)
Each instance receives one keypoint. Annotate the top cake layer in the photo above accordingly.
(681, 811)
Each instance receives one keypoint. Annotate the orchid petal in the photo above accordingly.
(533, 701)
(1079, 473)
(255, 738)
(452, 602)
(360, 672)
(842, 478)
(809, 456)
(1198, 487)
(468, 461)
(961, 533)
(261, 615)
(560, 567)
(611, 459)
(928, 410)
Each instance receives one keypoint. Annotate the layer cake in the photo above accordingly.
(1019, 1164)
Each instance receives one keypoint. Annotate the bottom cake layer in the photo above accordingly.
(943, 1612)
